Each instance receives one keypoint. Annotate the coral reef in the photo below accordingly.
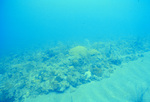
(58, 68)
(78, 51)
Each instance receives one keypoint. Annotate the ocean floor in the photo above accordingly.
(129, 83)
(113, 71)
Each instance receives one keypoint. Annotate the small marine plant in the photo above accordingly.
(139, 93)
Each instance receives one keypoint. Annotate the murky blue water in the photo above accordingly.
(40, 38)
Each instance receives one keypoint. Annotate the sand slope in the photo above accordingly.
(129, 83)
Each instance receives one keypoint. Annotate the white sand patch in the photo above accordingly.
(130, 82)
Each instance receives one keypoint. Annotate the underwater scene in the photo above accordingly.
(75, 51)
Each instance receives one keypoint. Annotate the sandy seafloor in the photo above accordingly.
(129, 83)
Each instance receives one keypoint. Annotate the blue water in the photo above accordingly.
(29, 24)
(26, 22)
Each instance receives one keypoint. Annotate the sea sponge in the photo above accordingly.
(78, 51)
